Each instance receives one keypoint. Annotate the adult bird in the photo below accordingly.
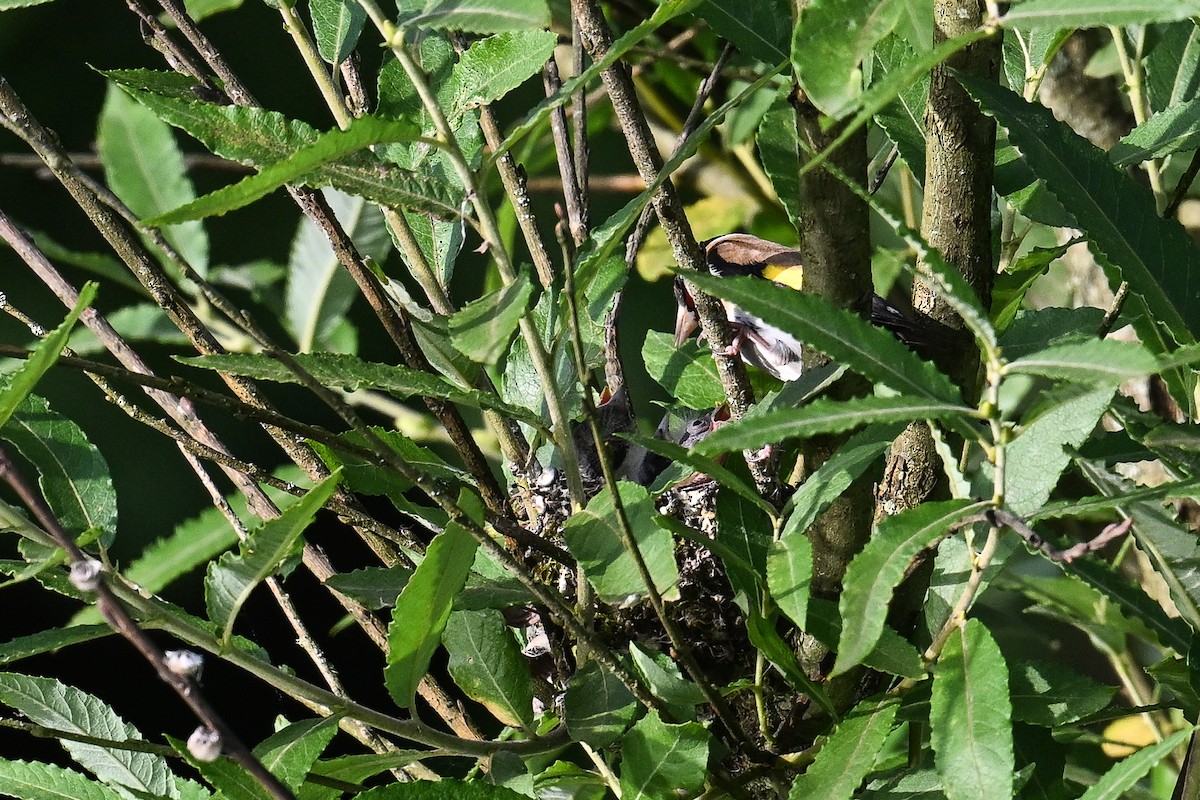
(764, 345)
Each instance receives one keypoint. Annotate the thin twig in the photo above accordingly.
(582, 147)
(882, 173)
(573, 190)
(92, 161)
(544, 595)
(679, 642)
(395, 323)
(672, 217)
(1109, 534)
(115, 614)
(1114, 310)
(1181, 188)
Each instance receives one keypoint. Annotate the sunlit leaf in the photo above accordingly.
(970, 717)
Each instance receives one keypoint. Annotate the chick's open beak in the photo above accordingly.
(686, 323)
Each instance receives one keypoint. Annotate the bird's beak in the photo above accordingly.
(686, 323)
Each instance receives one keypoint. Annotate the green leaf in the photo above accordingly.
(202, 9)
(825, 416)
(744, 528)
(304, 165)
(351, 372)
(290, 753)
(1117, 781)
(789, 576)
(491, 68)
(660, 760)
(259, 138)
(72, 473)
(598, 707)
(337, 25)
(1089, 506)
(1032, 331)
(373, 587)
(829, 44)
(766, 638)
(1173, 65)
(1096, 13)
(1118, 215)
(884, 91)
(848, 753)
(593, 536)
(1053, 695)
(1171, 131)
(46, 641)
(840, 334)
(1102, 362)
(892, 654)
(760, 28)
(475, 16)
(834, 476)
(319, 290)
(8, 5)
(903, 119)
(522, 386)
(566, 780)
(54, 705)
(33, 781)
(1008, 293)
(688, 372)
(970, 717)
(366, 475)
(142, 322)
(779, 152)
(878, 569)
(231, 579)
(144, 167)
(194, 542)
(21, 382)
(663, 678)
(1038, 456)
(488, 666)
(101, 264)
(423, 609)
(440, 241)
(483, 328)
(358, 768)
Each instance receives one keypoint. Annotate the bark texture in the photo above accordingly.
(956, 219)
(835, 241)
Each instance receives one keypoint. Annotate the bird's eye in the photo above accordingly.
(697, 425)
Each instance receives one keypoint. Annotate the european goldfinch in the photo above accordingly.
(758, 343)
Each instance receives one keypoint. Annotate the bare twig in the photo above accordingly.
(573, 190)
(1001, 516)
(582, 148)
(92, 161)
(881, 174)
(679, 642)
(120, 620)
(1181, 188)
(1114, 310)
(395, 322)
(597, 38)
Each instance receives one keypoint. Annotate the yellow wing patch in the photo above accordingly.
(792, 276)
